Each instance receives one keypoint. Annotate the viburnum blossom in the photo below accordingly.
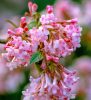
(18, 52)
(43, 41)
(58, 39)
(64, 36)
(57, 87)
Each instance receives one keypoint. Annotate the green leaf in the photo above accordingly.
(36, 57)
(32, 24)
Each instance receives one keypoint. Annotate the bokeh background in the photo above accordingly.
(13, 83)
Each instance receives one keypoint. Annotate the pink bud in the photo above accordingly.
(10, 32)
(26, 29)
(23, 19)
(19, 31)
(34, 7)
(30, 7)
(48, 57)
(49, 9)
(23, 22)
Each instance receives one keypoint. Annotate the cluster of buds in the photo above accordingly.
(43, 41)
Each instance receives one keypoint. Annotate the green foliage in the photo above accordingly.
(43, 3)
(77, 1)
(36, 57)
(32, 24)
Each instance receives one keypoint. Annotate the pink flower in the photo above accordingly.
(46, 86)
(10, 32)
(18, 52)
(17, 31)
(48, 18)
(52, 58)
(49, 9)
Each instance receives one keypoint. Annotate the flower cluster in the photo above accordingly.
(58, 39)
(57, 88)
(18, 52)
(43, 41)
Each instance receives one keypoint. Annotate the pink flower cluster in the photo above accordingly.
(18, 52)
(53, 39)
(46, 88)
(64, 37)
(59, 39)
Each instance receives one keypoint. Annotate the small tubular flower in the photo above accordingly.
(58, 87)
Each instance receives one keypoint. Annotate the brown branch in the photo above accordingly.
(12, 23)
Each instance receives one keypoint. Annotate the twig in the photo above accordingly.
(12, 23)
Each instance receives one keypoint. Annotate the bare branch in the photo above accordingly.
(12, 23)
